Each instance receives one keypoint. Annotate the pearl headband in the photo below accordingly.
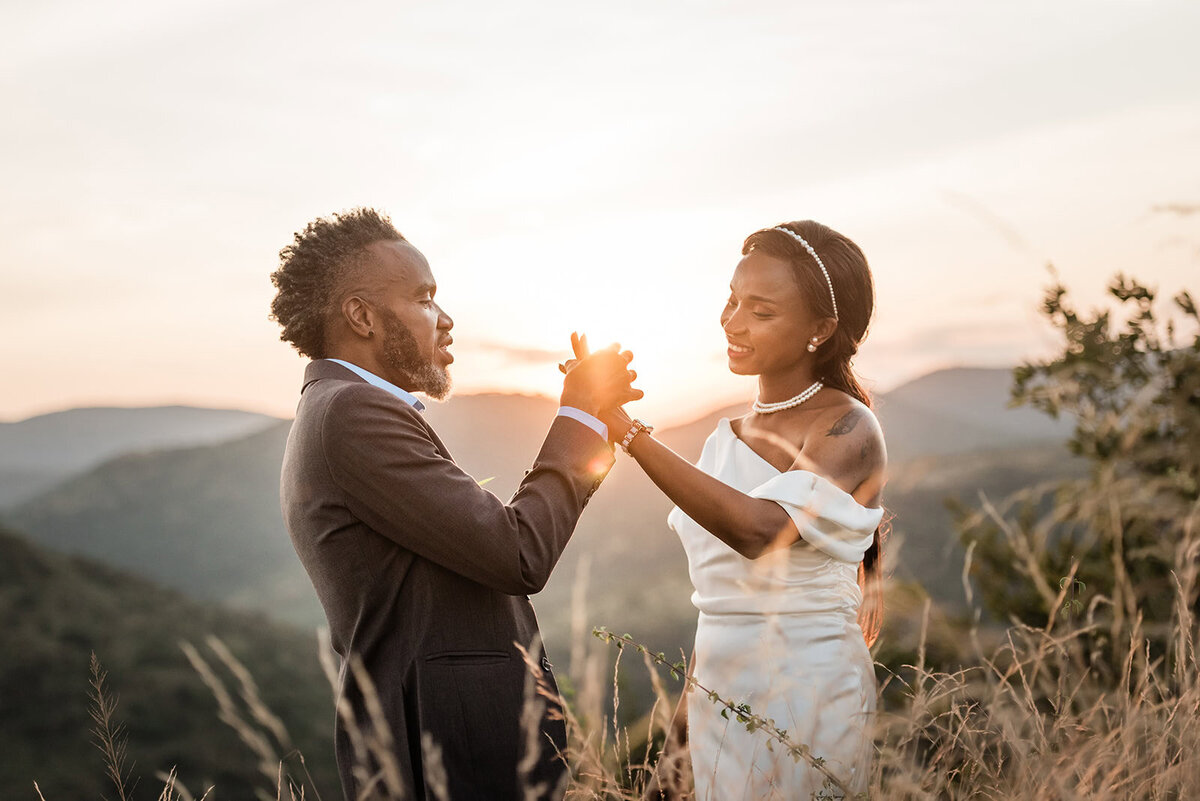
(817, 259)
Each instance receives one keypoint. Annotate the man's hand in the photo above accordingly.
(598, 381)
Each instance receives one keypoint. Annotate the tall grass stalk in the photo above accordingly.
(1035, 716)
(108, 735)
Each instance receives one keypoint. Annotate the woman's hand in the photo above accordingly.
(613, 415)
(596, 382)
(616, 418)
(618, 422)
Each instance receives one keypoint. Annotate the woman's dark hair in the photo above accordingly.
(855, 291)
(312, 268)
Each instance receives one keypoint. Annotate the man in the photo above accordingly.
(424, 575)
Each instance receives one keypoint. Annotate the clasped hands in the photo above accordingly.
(600, 383)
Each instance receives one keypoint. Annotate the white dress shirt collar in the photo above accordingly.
(375, 380)
(563, 411)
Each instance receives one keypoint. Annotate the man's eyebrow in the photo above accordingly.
(426, 289)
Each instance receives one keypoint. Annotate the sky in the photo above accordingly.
(590, 167)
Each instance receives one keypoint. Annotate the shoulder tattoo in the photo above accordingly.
(845, 424)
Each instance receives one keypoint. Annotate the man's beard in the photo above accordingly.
(402, 353)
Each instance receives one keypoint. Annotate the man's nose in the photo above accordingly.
(445, 321)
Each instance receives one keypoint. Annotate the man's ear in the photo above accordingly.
(359, 316)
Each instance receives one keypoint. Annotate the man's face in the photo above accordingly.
(415, 341)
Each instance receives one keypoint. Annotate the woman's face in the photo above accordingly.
(767, 320)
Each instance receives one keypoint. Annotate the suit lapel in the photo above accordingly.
(323, 368)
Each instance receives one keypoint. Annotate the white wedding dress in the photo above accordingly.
(780, 634)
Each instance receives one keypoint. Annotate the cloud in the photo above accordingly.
(1179, 209)
(517, 354)
(965, 203)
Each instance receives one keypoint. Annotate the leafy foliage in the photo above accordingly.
(1115, 539)
(58, 610)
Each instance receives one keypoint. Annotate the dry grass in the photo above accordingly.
(1041, 716)
(1045, 716)
(107, 734)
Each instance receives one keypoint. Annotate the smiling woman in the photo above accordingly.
(781, 521)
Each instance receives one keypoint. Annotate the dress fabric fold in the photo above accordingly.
(780, 633)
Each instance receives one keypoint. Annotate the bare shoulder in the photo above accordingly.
(845, 443)
(849, 431)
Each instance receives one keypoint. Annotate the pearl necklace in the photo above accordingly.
(771, 408)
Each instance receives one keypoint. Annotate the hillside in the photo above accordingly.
(202, 520)
(206, 520)
(38, 452)
(58, 610)
(961, 410)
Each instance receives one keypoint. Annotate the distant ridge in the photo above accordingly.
(74, 438)
(206, 519)
(955, 410)
(37, 452)
(959, 410)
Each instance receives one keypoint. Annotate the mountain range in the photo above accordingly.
(41, 451)
(58, 610)
(205, 519)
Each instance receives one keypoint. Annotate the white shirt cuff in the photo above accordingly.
(586, 419)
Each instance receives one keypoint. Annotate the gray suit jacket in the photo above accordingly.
(425, 576)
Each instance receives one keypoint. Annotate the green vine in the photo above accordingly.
(742, 712)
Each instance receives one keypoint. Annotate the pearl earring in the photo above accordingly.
(812, 346)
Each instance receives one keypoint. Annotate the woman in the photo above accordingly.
(781, 520)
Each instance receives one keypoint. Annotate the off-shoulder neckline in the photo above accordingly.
(820, 478)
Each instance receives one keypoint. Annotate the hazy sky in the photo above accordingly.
(574, 166)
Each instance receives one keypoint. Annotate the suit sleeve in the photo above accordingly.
(397, 482)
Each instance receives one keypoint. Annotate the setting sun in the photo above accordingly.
(611, 200)
(848, 533)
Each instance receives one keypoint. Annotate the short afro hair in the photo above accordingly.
(311, 268)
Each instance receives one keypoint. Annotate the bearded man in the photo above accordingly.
(424, 575)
